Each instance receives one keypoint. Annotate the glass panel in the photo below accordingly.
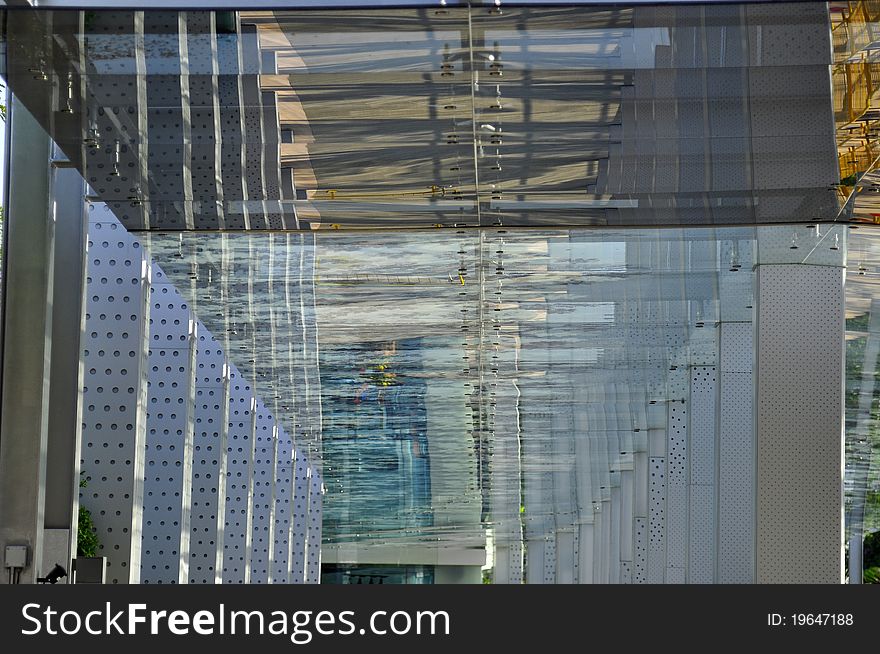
(862, 476)
(498, 384)
(490, 272)
(453, 116)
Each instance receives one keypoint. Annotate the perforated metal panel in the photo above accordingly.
(515, 562)
(114, 391)
(776, 128)
(252, 113)
(778, 41)
(170, 409)
(677, 490)
(702, 453)
(272, 150)
(239, 460)
(262, 498)
(640, 551)
(625, 572)
(737, 349)
(800, 326)
(313, 550)
(168, 120)
(232, 155)
(299, 529)
(549, 567)
(736, 445)
(205, 119)
(657, 521)
(626, 521)
(211, 426)
(117, 142)
(284, 475)
(614, 532)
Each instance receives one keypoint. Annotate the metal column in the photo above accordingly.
(239, 462)
(799, 410)
(211, 427)
(68, 323)
(169, 441)
(27, 341)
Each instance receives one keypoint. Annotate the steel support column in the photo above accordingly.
(799, 412)
(65, 393)
(27, 342)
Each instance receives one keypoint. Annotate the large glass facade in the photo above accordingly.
(473, 293)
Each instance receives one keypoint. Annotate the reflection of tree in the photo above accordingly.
(872, 556)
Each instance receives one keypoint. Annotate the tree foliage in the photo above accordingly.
(86, 536)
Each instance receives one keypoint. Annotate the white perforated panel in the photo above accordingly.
(168, 463)
(549, 567)
(800, 428)
(211, 426)
(299, 529)
(614, 530)
(657, 520)
(263, 501)
(626, 517)
(737, 349)
(586, 543)
(675, 576)
(284, 473)
(239, 458)
(114, 391)
(736, 445)
(313, 551)
(677, 489)
(515, 562)
(640, 551)
(625, 572)
(702, 452)
(736, 494)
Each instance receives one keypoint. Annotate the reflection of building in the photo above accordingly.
(554, 292)
(375, 443)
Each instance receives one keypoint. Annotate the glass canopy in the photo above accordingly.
(450, 116)
(502, 255)
(464, 374)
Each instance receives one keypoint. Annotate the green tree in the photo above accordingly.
(86, 535)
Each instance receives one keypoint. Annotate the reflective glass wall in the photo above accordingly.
(473, 293)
